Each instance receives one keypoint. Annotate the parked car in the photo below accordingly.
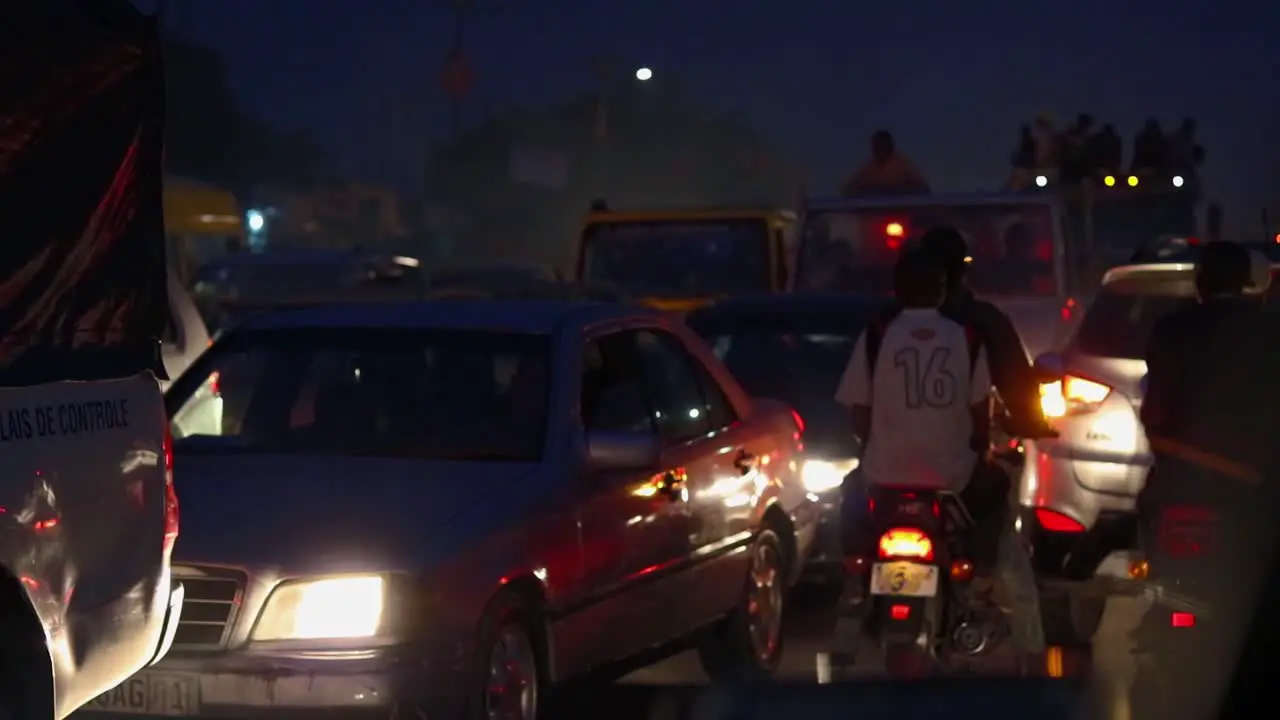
(461, 503)
(1078, 497)
(794, 348)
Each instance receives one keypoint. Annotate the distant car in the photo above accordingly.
(393, 506)
(1078, 495)
(794, 348)
(489, 278)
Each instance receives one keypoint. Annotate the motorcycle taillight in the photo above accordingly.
(904, 544)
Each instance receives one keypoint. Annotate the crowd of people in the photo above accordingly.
(1086, 150)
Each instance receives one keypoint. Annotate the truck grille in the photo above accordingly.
(212, 599)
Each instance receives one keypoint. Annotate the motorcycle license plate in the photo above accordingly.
(904, 578)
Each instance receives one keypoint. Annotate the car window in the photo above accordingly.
(613, 397)
(446, 394)
(678, 406)
(719, 410)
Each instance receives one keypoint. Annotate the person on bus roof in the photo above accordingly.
(1150, 149)
(1107, 150)
(888, 172)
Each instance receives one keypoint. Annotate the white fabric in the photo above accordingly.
(920, 401)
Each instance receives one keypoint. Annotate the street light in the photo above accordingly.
(644, 74)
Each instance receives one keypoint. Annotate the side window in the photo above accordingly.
(678, 406)
(613, 397)
(719, 411)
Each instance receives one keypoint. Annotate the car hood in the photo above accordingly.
(335, 512)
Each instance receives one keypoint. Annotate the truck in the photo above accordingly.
(88, 508)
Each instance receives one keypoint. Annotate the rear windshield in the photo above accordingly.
(1118, 324)
(443, 394)
(785, 356)
(1012, 247)
(678, 258)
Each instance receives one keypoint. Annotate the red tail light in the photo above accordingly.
(215, 382)
(901, 543)
(170, 495)
(798, 420)
(1182, 620)
(1057, 522)
(899, 612)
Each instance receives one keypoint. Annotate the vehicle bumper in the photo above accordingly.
(354, 684)
(1051, 480)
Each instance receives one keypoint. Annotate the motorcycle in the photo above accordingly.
(911, 594)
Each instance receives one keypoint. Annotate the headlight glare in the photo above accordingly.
(823, 475)
(331, 608)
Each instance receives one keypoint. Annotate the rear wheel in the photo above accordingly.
(747, 645)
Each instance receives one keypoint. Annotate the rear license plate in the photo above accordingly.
(151, 693)
(904, 578)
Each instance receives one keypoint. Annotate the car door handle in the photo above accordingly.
(744, 461)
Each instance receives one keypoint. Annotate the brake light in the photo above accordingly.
(170, 495)
(1068, 309)
(799, 421)
(899, 612)
(215, 383)
(1057, 522)
(906, 543)
(1071, 396)
(1182, 620)
(961, 570)
(895, 230)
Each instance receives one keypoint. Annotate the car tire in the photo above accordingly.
(508, 663)
(747, 645)
(1070, 618)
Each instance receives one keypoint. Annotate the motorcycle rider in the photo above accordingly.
(919, 388)
(1210, 414)
(1011, 371)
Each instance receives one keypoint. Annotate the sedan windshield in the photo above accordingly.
(447, 394)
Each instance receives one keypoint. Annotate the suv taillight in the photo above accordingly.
(1071, 396)
(170, 495)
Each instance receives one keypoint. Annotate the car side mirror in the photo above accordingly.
(611, 451)
(1049, 367)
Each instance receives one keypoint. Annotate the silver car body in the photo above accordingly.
(613, 571)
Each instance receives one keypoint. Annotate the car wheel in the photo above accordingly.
(747, 645)
(508, 673)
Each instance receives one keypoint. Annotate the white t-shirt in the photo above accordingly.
(920, 398)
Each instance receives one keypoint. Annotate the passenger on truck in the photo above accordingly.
(888, 172)
(1074, 143)
(1150, 150)
(1107, 150)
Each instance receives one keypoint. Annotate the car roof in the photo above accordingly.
(522, 316)
(788, 304)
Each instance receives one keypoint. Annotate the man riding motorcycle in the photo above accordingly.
(1210, 414)
(917, 430)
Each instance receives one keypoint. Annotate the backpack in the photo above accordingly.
(880, 325)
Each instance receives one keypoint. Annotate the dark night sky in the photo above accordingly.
(952, 80)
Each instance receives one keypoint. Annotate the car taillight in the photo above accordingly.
(1182, 619)
(906, 543)
(1071, 396)
(215, 383)
(1057, 522)
(170, 495)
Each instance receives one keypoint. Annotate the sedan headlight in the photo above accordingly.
(822, 475)
(332, 608)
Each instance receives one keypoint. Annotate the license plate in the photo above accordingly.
(150, 693)
(904, 578)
